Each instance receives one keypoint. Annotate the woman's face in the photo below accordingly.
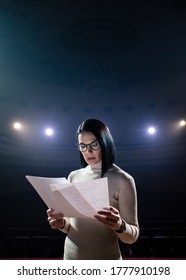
(92, 154)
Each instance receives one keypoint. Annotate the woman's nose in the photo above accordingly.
(89, 150)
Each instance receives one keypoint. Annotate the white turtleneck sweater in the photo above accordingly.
(90, 239)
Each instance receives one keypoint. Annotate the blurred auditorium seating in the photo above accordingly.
(160, 237)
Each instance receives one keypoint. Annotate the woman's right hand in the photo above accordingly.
(56, 221)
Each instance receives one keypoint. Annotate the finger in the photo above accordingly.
(53, 225)
(100, 218)
(110, 218)
(57, 216)
(108, 215)
(52, 222)
(49, 212)
(112, 209)
(105, 212)
(50, 219)
(106, 220)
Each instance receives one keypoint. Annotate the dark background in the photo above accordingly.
(119, 61)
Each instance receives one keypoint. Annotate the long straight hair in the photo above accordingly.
(104, 137)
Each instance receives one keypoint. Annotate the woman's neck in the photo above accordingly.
(96, 166)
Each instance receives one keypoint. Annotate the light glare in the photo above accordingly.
(49, 131)
(182, 123)
(151, 130)
(17, 126)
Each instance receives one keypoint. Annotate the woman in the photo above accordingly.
(97, 238)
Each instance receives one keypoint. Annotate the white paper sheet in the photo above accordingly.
(43, 188)
(85, 197)
(78, 200)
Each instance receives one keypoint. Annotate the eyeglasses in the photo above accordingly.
(93, 146)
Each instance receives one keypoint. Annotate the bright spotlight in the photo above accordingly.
(49, 131)
(182, 123)
(17, 126)
(151, 130)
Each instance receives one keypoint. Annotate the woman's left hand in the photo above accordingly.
(109, 216)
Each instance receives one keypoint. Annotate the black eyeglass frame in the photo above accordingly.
(88, 145)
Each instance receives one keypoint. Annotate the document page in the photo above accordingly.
(43, 188)
(86, 197)
(80, 200)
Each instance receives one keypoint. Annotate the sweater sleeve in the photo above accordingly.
(67, 225)
(128, 210)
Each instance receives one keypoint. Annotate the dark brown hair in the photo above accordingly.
(104, 137)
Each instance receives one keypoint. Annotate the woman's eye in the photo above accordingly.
(94, 145)
(82, 146)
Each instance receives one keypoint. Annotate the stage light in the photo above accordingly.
(151, 130)
(17, 126)
(49, 131)
(182, 123)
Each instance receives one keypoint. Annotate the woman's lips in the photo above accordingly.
(90, 158)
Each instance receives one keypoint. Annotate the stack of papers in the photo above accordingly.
(79, 200)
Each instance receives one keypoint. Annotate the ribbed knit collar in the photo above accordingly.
(95, 167)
